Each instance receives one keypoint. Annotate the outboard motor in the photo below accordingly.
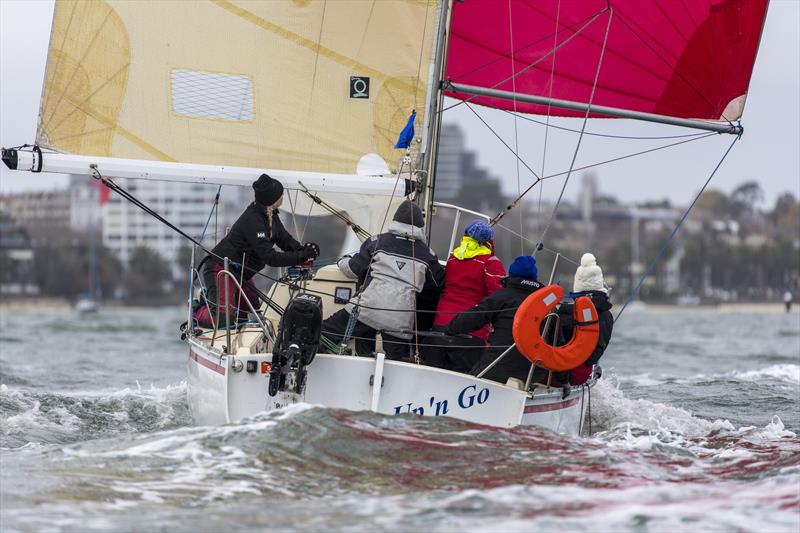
(296, 343)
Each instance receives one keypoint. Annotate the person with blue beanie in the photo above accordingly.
(498, 310)
(472, 273)
(524, 266)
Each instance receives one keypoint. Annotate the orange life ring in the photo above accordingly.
(527, 325)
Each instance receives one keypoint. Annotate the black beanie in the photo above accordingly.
(409, 213)
(267, 190)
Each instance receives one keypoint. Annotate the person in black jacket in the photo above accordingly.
(499, 309)
(393, 268)
(250, 246)
(588, 282)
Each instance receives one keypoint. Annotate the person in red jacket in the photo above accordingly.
(472, 273)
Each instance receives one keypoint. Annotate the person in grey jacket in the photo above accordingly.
(393, 268)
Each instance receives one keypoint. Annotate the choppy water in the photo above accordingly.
(695, 428)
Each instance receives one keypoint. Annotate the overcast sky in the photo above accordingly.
(769, 151)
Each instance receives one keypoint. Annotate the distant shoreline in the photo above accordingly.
(726, 307)
(60, 304)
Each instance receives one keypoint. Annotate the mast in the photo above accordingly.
(433, 116)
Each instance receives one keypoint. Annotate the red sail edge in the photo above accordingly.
(687, 59)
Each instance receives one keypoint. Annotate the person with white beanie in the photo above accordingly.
(588, 282)
(589, 276)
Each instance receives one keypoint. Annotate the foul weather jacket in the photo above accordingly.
(499, 309)
(252, 238)
(606, 321)
(471, 274)
(393, 267)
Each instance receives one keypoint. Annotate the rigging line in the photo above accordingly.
(149, 211)
(608, 135)
(535, 175)
(364, 33)
(530, 241)
(58, 60)
(394, 190)
(291, 206)
(358, 230)
(316, 54)
(628, 156)
(78, 65)
(549, 100)
(580, 138)
(408, 342)
(214, 208)
(202, 236)
(421, 48)
(501, 214)
(536, 62)
(516, 133)
(664, 247)
(308, 217)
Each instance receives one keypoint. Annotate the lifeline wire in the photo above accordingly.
(652, 264)
(141, 205)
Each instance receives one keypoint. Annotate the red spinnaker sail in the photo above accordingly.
(681, 58)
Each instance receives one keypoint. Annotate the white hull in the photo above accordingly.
(219, 395)
(85, 306)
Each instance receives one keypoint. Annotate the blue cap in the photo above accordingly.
(524, 266)
(480, 231)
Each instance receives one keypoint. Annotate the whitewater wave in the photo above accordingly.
(58, 418)
(721, 446)
(786, 374)
(304, 467)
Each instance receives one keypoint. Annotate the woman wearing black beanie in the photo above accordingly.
(250, 246)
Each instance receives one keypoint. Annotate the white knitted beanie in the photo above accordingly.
(588, 277)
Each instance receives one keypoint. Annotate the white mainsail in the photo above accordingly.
(301, 86)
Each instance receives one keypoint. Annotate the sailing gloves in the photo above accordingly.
(310, 251)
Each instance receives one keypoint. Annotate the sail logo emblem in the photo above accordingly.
(261, 235)
(359, 87)
(400, 264)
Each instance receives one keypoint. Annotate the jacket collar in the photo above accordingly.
(600, 299)
(470, 248)
(406, 230)
(518, 282)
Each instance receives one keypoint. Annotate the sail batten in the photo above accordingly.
(682, 59)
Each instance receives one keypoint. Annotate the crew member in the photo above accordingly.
(588, 282)
(472, 273)
(393, 268)
(498, 309)
(250, 246)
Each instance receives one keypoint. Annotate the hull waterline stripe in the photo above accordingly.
(550, 406)
(219, 369)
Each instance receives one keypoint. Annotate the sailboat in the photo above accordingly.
(90, 302)
(314, 94)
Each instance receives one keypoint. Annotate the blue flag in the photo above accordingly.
(407, 135)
